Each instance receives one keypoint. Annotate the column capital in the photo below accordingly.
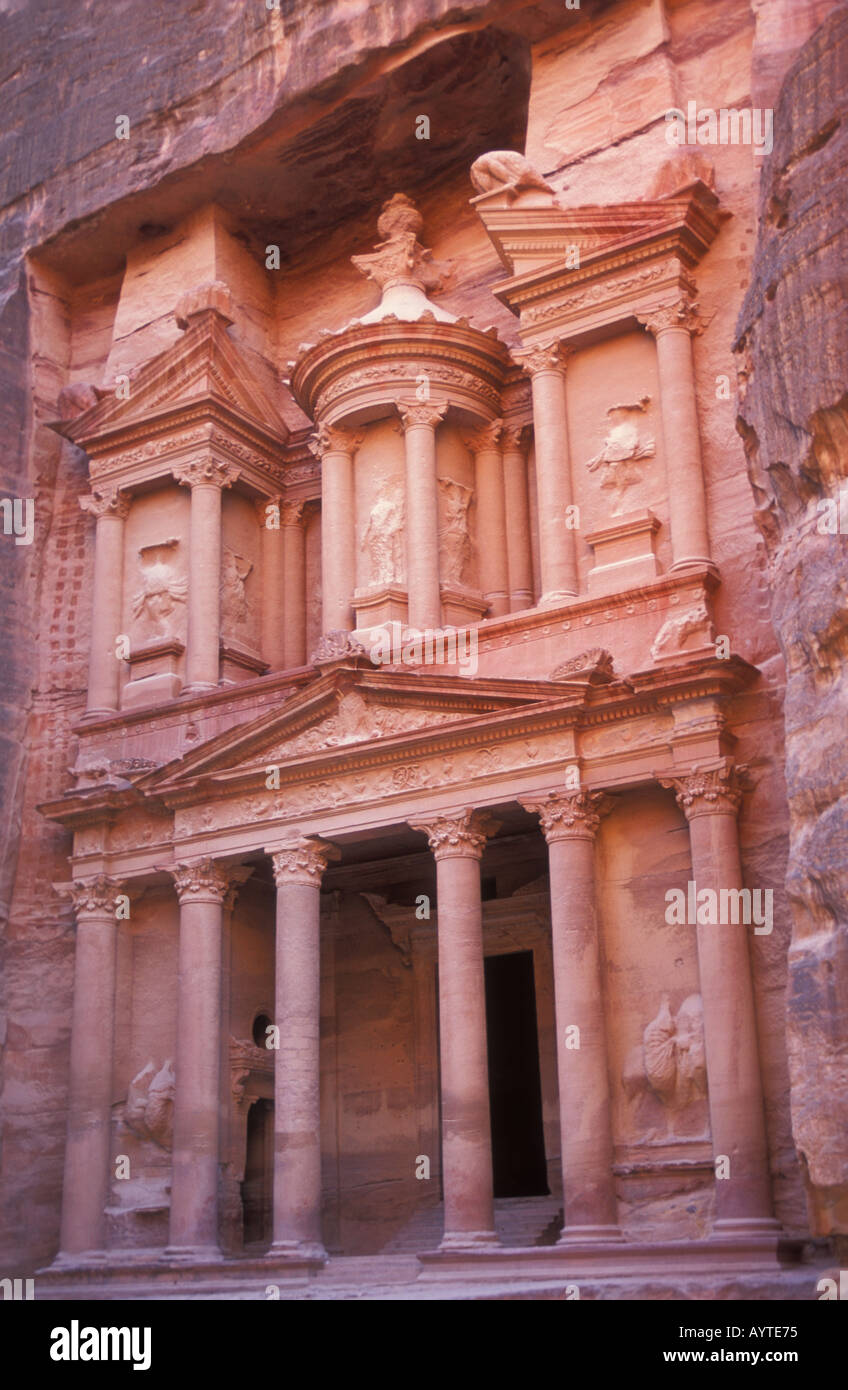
(514, 438)
(110, 501)
(262, 505)
(92, 897)
(547, 357)
(681, 313)
(206, 473)
(569, 815)
(333, 439)
(203, 880)
(458, 835)
(414, 413)
(486, 437)
(292, 513)
(303, 861)
(709, 791)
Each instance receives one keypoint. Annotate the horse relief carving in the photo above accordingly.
(149, 1107)
(670, 1066)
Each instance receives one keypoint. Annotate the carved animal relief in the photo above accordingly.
(149, 1108)
(670, 1066)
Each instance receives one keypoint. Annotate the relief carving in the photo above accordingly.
(383, 539)
(162, 590)
(621, 451)
(235, 604)
(455, 549)
(670, 1067)
(676, 632)
(149, 1107)
(506, 171)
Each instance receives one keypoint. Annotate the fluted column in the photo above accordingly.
(336, 448)
(207, 479)
(268, 511)
(570, 821)
(201, 890)
(710, 801)
(298, 869)
(673, 327)
(457, 842)
(294, 583)
(557, 549)
(491, 516)
(87, 1152)
(517, 510)
(422, 511)
(111, 507)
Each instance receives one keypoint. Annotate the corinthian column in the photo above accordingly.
(111, 507)
(519, 560)
(457, 842)
(569, 822)
(336, 448)
(206, 479)
(86, 1184)
(294, 583)
(557, 551)
(268, 513)
(710, 801)
(422, 511)
(673, 326)
(201, 890)
(491, 516)
(298, 869)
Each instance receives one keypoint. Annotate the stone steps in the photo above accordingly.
(519, 1221)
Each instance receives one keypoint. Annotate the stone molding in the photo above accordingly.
(201, 881)
(106, 502)
(303, 861)
(207, 472)
(569, 815)
(709, 791)
(412, 413)
(460, 835)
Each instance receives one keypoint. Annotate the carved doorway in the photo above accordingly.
(515, 1089)
(257, 1186)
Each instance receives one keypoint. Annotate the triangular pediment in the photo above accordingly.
(347, 709)
(203, 366)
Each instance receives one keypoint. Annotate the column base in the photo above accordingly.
(104, 712)
(595, 1235)
(298, 1250)
(555, 597)
(81, 1259)
(470, 1240)
(191, 1254)
(732, 1227)
(691, 562)
(199, 688)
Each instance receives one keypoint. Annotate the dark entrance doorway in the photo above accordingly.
(256, 1187)
(515, 1088)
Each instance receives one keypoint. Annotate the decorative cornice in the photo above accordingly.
(202, 881)
(569, 815)
(461, 835)
(107, 501)
(206, 473)
(709, 791)
(412, 413)
(304, 861)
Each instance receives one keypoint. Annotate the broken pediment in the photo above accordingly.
(204, 368)
(343, 710)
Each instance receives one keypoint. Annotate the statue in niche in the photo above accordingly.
(162, 589)
(454, 538)
(383, 540)
(235, 608)
(622, 449)
(670, 1066)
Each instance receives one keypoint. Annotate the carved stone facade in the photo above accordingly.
(417, 662)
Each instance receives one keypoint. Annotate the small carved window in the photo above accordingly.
(261, 1024)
